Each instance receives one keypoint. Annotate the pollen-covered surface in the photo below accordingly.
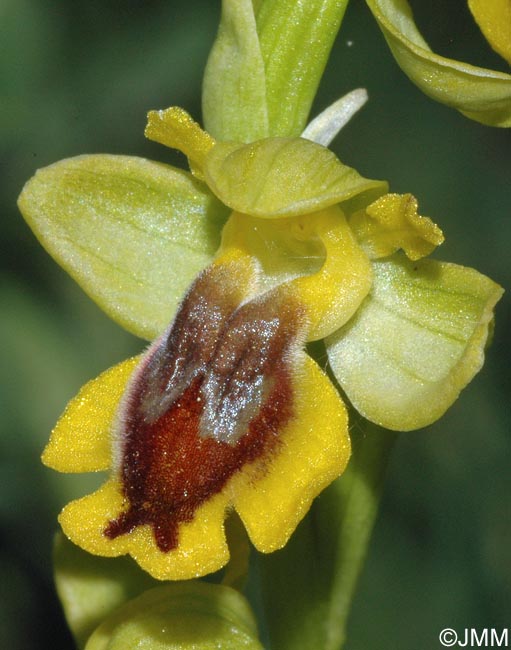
(210, 397)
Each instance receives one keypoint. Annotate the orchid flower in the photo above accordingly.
(234, 271)
(225, 410)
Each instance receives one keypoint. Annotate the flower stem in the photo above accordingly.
(308, 587)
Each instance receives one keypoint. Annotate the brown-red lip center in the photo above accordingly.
(209, 398)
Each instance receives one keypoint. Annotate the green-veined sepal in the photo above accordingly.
(416, 341)
(133, 233)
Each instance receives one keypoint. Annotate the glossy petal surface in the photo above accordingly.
(416, 341)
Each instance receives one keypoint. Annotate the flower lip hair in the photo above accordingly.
(210, 396)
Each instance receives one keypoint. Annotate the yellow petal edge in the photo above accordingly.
(80, 441)
(270, 496)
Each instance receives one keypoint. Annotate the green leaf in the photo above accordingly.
(295, 39)
(180, 616)
(480, 94)
(234, 86)
(283, 177)
(91, 588)
(415, 343)
(131, 232)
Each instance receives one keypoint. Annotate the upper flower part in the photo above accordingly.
(225, 410)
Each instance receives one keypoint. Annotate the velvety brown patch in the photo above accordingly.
(210, 397)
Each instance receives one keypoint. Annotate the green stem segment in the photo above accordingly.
(308, 587)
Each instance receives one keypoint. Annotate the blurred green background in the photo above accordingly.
(79, 78)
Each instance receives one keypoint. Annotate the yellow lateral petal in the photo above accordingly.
(272, 499)
(202, 546)
(494, 19)
(174, 128)
(392, 222)
(80, 441)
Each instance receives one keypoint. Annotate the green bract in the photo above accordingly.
(91, 588)
(417, 340)
(259, 83)
(234, 87)
(481, 94)
(180, 616)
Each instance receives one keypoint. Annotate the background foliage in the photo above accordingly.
(79, 78)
